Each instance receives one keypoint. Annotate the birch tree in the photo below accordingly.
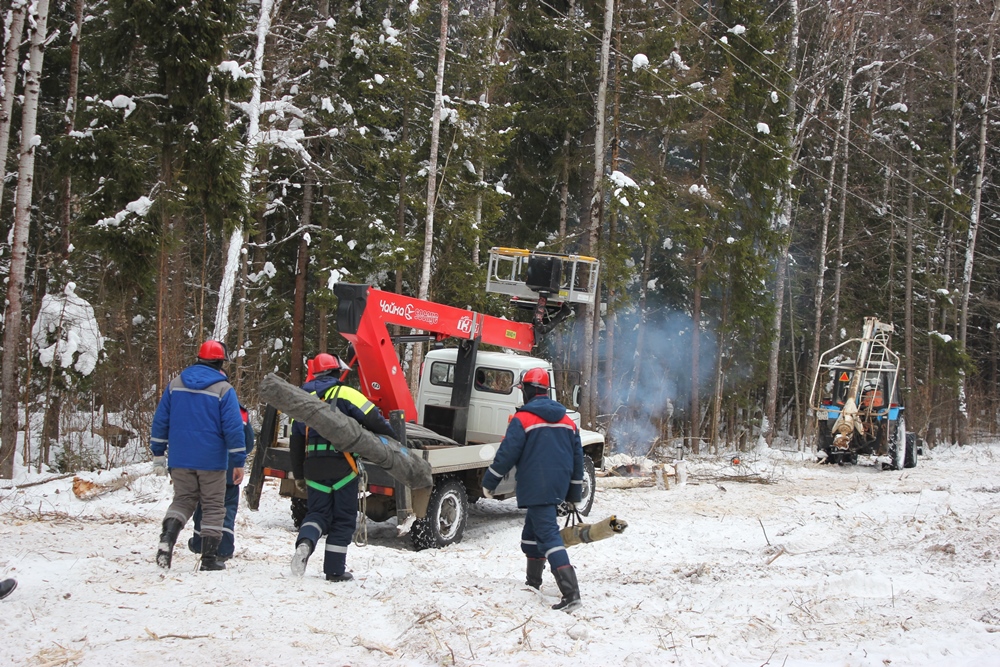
(977, 202)
(588, 391)
(432, 169)
(19, 241)
(13, 32)
(268, 8)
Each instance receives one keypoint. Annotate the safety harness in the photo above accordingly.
(331, 395)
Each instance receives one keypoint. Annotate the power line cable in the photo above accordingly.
(824, 179)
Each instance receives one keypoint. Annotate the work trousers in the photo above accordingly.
(335, 514)
(207, 487)
(228, 544)
(540, 536)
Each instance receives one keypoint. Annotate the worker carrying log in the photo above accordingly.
(324, 464)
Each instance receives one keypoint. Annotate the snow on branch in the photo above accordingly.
(66, 332)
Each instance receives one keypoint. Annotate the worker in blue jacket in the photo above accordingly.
(198, 426)
(228, 545)
(330, 477)
(543, 442)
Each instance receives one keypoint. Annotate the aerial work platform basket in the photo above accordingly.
(528, 276)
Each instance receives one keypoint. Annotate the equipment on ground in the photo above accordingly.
(858, 405)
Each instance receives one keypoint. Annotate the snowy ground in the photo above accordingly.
(826, 565)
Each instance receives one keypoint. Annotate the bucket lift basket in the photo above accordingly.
(529, 276)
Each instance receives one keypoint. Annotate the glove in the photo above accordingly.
(487, 493)
(567, 507)
(301, 486)
(160, 466)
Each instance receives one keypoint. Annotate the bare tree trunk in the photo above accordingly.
(227, 286)
(718, 384)
(611, 318)
(695, 343)
(481, 170)
(845, 126)
(11, 59)
(564, 192)
(908, 301)
(842, 133)
(74, 81)
(977, 202)
(19, 242)
(638, 359)
(589, 388)
(432, 168)
(564, 170)
(782, 222)
(404, 142)
(295, 375)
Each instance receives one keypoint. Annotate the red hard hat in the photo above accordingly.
(536, 376)
(212, 350)
(323, 362)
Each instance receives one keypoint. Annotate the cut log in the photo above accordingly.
(86, 489)
(346, 434)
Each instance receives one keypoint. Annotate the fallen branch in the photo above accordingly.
(781, 551)
(372, 646)
(37, 483)
(157, 637)
(623, 482)
(128, 592)
(69, 657)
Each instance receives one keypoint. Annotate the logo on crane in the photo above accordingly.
(408, 312)
(465, 325)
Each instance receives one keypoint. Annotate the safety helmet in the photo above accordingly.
(536, 376)
(213, 350)
(323, 362)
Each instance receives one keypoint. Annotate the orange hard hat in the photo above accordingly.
(536, 376)
(213, 350)
(323, 362)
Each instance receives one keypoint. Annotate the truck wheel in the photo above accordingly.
(447, 513)
(898, 446)
(824, 442)
(299, 509)
(589, 484)
(910, 460)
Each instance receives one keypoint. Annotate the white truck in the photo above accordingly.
(465, 398)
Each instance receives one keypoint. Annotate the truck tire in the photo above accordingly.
(299, 509)
(589, 484)
(898, 446)
(447, 514)
(824, 441)
(910, 460)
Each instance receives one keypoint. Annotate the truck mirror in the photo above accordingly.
(576, 396)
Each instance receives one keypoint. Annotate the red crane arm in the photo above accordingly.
(449, 321)
(363, 320)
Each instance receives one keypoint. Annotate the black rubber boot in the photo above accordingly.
(345, 576)
(536, 566)
(570, 589)
(210, 555)
(7, 587)
(168, 538)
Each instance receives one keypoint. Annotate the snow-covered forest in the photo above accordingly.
(755, 178)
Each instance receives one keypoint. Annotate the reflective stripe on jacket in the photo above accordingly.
(544, 444)
(198, 422)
